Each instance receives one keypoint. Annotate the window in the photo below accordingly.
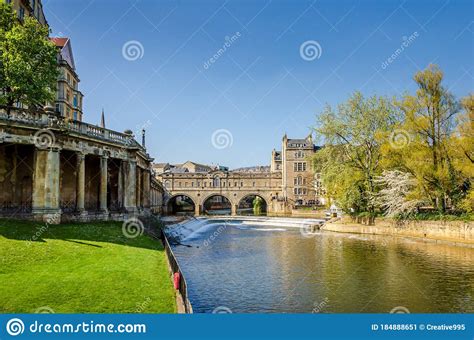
(21, 14)
(299, 154)
(75, 115)
(299, 166)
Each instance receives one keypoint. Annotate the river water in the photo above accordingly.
(246, 267)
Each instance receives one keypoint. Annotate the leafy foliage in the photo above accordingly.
(395, 155)
(28, 62)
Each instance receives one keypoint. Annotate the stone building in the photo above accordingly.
(289, 182)
(32, 8)
(68, 98)
(297, 174)
(54, 167)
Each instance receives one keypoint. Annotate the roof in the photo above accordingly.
(64, 44)
(59, 42)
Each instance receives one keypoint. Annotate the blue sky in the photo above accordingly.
(261, 86)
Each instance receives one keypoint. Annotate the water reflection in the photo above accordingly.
(260, 269)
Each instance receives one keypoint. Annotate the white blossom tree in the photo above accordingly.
(394, 196)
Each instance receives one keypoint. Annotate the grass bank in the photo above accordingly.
(81, 268)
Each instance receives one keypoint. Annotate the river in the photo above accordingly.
(251, 267)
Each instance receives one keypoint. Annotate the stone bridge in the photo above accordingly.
(52, 169)
(234, 186)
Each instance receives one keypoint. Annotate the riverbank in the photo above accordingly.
(81, 268)
(452, 232)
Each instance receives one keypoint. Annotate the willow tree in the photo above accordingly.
(463, 151)
(257, 205)
(353, 134)
(28, 62)
(429, 120)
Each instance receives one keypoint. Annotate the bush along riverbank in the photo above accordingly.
(459, 232)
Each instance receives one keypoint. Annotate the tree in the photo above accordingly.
(463, 152)
(257, 205)
(28, 64)
(396, 195)
(351, 157)
(429, 120)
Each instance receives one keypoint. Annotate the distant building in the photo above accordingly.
(196, 167)
(297, 173)
(287, 183)
(69, 98)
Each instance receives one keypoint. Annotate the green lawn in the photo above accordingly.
(81, 268)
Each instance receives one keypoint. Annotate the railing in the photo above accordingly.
(43, 120)
(183, 288)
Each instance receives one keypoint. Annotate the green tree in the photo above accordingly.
(28, 64)
(257, 206)
(429, 120)
(463, 152)
(350, 160)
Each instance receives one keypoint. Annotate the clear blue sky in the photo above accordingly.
(260, 87)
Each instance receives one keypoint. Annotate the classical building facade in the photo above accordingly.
(287, 183)
(54, 167)
(54, 170)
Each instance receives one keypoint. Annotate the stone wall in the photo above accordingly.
(452, 231)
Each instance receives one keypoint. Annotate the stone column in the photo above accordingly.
(103, 184)
(130, 204)
(197, 209)
(80, 182)
(233, 209)
(139, 187)
(146, 189)
(120, 184)
(46, 186)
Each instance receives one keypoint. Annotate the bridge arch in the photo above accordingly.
(181, 204)
(245, 205)
(217, 204)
